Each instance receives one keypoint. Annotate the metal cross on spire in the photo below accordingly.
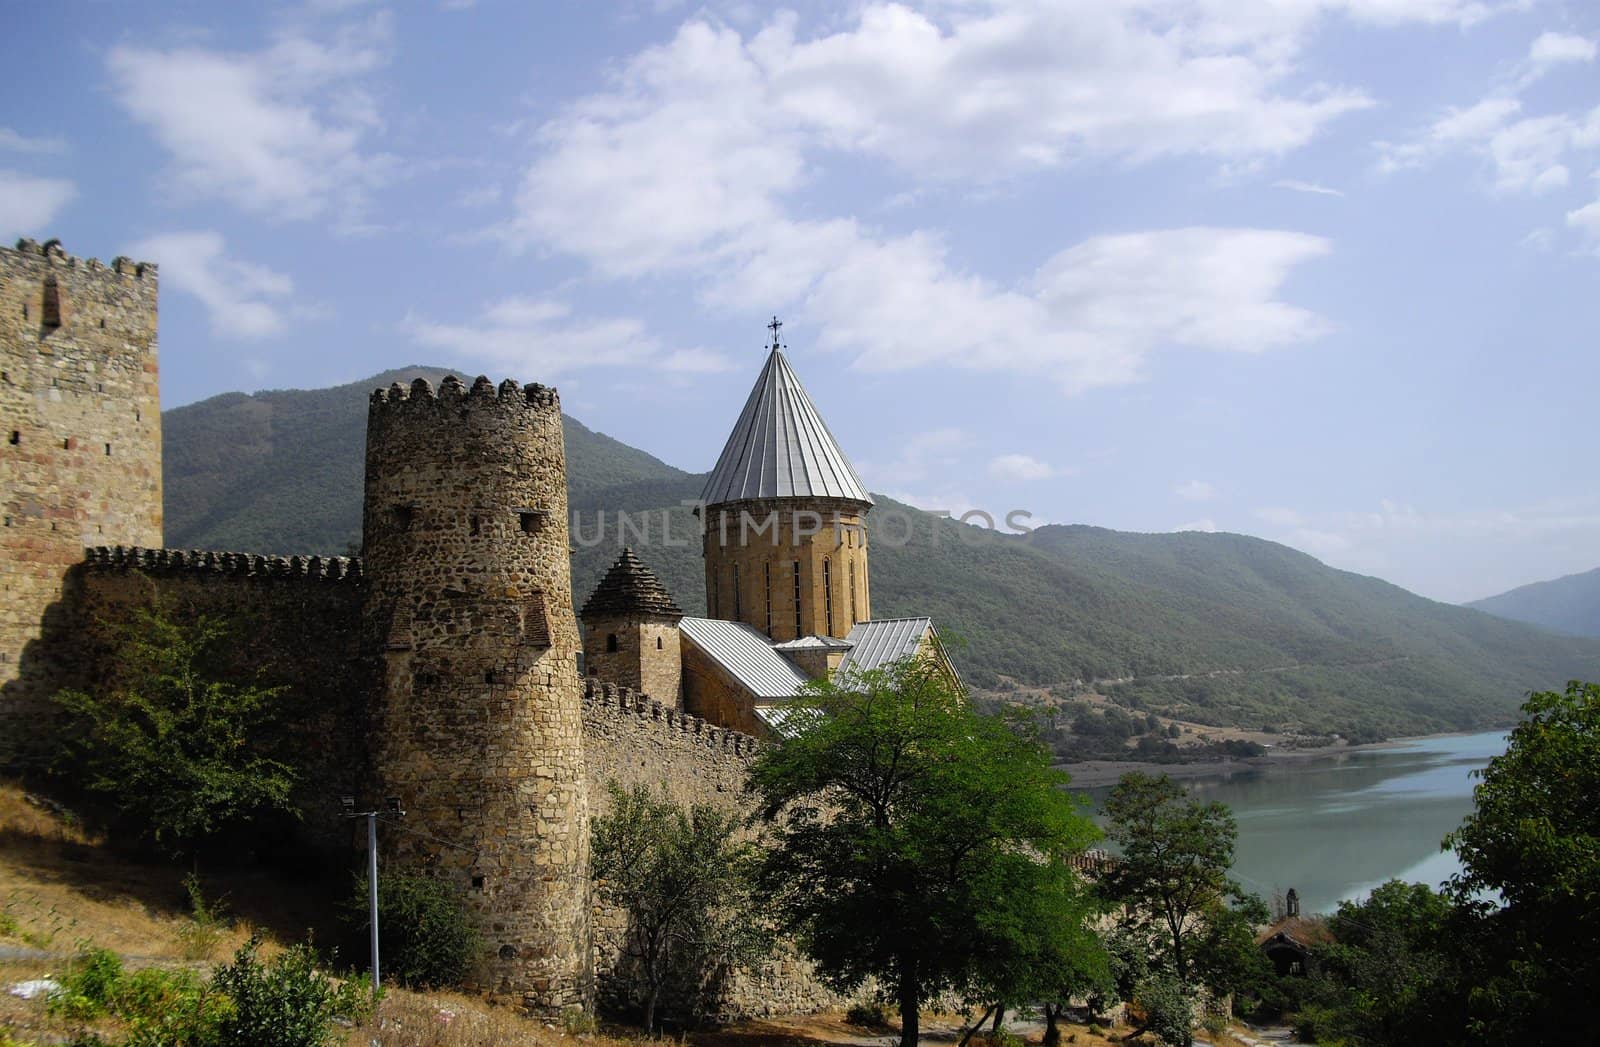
(774, 327)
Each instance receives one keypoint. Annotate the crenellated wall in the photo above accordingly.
(631, 739)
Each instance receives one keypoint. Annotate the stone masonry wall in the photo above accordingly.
(633, 740)
(296, 623)
(80, 453)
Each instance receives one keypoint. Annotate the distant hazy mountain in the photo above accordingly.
(1217, 628)
(1569, 605)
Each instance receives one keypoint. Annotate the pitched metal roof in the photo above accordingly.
(788, 719)
(630, 587)
(746, 655)
(884, 640)
(781, 448)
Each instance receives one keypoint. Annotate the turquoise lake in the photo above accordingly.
(1334, 828)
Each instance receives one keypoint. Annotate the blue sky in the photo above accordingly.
(1325, 271)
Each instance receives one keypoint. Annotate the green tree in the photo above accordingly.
(1392, 967)
(684, 880)
(1530, 856)
(905, 825)
(427, 939)
(181, 749)
(1173, 893)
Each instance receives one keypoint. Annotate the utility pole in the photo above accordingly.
(394, 811)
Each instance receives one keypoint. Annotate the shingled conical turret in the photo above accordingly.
(785, 517)
(630, 587)
(630, 632)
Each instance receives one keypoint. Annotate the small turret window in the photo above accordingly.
(50, 315)
(738, 597)
(531, 520)
(611, 642)
(658, 643)
(799, 628)
(403, 515)
(766, 570)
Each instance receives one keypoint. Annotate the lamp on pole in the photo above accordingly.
(393, 810)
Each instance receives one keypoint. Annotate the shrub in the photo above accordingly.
(426, 939)
(868, 1014)
(89, 986)
(286, 1001)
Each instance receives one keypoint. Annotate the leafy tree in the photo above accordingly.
(427, 939)
(183, 750)
(1534, 841)
(684, 881)
(1391, 971)
(907, 827)
(1172, 890)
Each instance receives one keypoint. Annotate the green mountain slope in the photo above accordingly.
(1217, 628)
(1570, 604)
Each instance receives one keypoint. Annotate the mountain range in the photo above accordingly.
(1570, 604)
(1221, 629)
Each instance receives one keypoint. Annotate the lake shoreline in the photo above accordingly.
(1096, 774)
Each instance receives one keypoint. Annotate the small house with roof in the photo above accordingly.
(788, 591)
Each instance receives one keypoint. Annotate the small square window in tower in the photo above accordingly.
(531, 521)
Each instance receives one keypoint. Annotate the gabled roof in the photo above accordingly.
(881, 641)
(630, 587)
(744, 654)
(781, 448)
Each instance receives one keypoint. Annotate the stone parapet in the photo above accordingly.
(202, 561)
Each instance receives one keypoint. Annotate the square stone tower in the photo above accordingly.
(80, 450)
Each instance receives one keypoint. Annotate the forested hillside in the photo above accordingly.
(1218, 628)
(1570, 604)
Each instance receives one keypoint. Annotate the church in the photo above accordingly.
(788, 588)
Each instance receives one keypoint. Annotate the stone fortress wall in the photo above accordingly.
(440, 669)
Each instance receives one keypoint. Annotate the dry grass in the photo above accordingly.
(62, 890)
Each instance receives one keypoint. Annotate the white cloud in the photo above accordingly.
(541, 337)
(1021, 467)
(1586, 220)
(19, 143)
(28, 205)
(1306, 187)
(242, 299)
(279, 132)
(686, 166)
(1526, 155)
(1552, 48)
(1195, 491)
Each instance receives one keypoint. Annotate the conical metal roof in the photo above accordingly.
(781, 448)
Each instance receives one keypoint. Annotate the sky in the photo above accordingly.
(1322, 271)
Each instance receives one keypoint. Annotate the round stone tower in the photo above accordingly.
(478, 721)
